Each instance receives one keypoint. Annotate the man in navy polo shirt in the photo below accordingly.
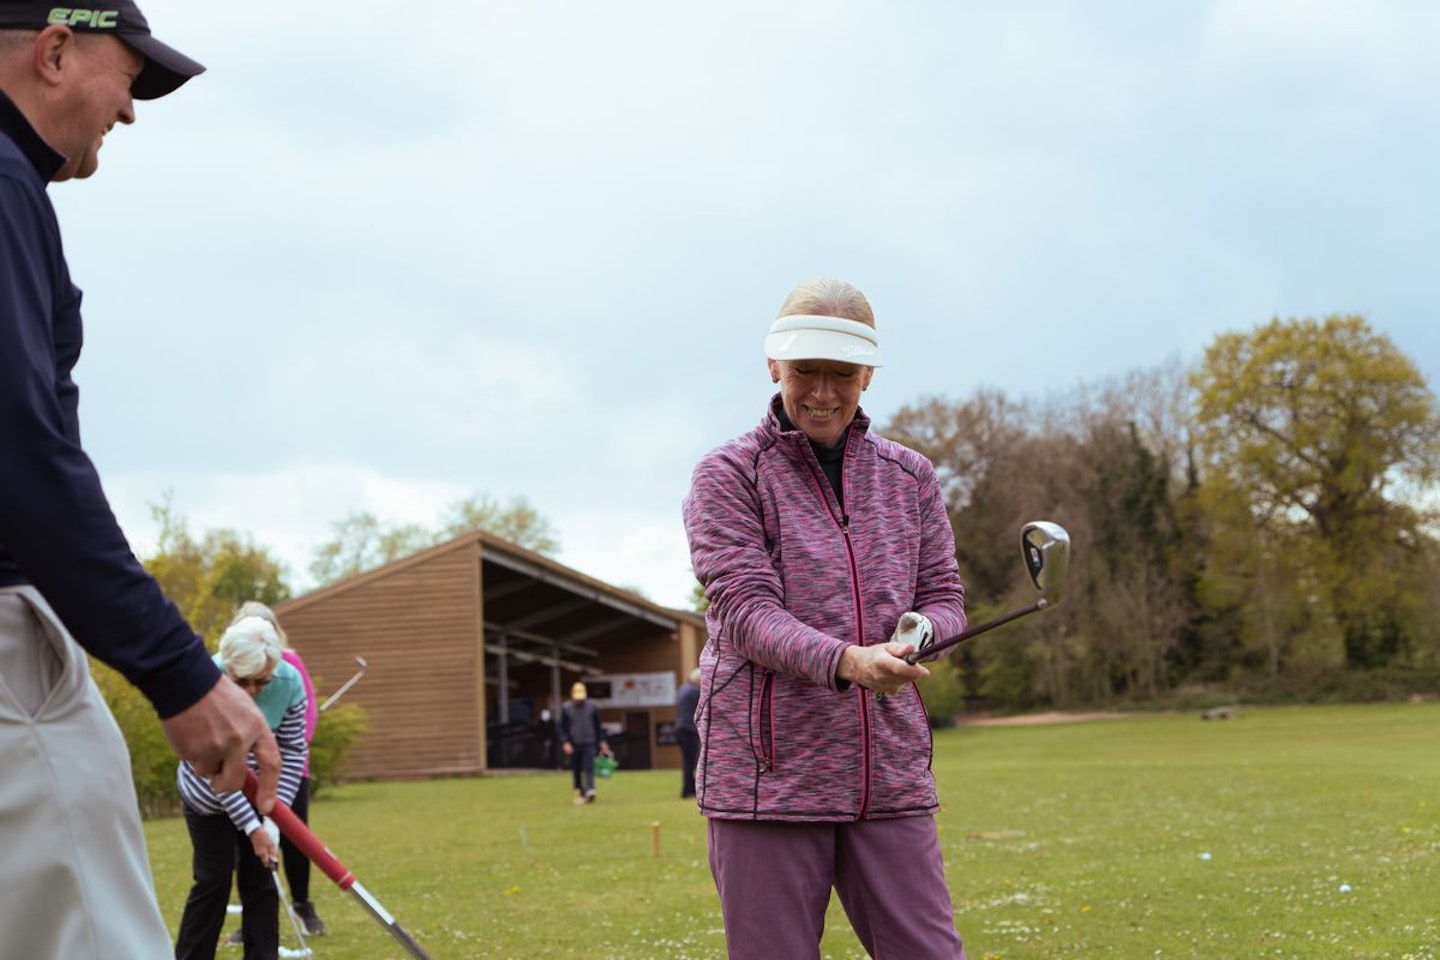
(77, 878)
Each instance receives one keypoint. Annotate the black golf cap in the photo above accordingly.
(165, 67)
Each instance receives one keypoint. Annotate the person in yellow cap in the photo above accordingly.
(580, 737)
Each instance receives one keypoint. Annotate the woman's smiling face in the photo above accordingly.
(820, 397)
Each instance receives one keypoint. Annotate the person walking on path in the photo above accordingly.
(580, 736)
(77, 875)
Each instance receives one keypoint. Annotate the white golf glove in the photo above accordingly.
(270, 827)
(914, 628)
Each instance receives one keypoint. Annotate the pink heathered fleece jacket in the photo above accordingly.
(312, 712)
(791, 580)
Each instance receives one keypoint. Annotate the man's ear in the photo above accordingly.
(774, 366)
(52, 51)
(865, 378)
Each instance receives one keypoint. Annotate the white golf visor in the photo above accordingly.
(807, 337)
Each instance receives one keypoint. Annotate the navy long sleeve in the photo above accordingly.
(57, 531)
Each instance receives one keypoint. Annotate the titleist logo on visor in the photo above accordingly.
(849, 349)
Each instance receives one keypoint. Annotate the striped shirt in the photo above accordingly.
(283, 702)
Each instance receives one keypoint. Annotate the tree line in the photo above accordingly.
(1263, 524)
(208, 577)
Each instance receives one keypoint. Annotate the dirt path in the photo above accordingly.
(1037, 719)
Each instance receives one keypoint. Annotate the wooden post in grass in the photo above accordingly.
(655, 837)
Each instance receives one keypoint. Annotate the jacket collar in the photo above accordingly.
(17, 127)
(778, 424)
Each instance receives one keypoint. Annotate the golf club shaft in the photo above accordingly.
(343, 687)
(299, 834)
(930, 652)
(358, 891)
(289, 910)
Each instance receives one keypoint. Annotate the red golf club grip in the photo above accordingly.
(297, 833)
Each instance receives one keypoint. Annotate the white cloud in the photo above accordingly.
(531, 248)
(291, 512)
(632, 549)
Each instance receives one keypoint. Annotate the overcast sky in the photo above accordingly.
(383, 257)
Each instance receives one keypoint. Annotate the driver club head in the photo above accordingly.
(1046, 547)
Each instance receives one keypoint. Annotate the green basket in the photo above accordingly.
(605, 766)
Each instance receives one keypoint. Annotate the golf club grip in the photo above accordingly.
(297, 833)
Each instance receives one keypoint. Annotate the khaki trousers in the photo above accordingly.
(77, 882)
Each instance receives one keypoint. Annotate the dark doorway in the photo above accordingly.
(632, 748)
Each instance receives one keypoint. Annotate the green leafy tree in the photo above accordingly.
(363, 541)
(1271, 615)
(207, 579)
(1326, 432)
(210, 577)
(983, 451)
(1138, 610)
(339, 729)
(516, 521)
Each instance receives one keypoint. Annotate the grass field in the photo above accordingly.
(1285, 833)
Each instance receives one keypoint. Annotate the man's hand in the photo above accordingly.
(217, 732)
(881, 667)
(567, 748)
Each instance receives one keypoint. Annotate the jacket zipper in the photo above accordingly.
(865, 753)
(865, 771)
(844, 521)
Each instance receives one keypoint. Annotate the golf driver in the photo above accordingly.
(310, 845)
(1046, 549)
(346, 685)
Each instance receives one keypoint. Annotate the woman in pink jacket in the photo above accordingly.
(826, 554)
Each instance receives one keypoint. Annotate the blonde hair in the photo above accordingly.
(254, 608)
(828, 297)
(250, 647)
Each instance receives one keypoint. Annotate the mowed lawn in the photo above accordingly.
(1289, 832)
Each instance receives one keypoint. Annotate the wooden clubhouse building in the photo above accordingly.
(464, 646)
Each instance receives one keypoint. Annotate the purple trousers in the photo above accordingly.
(775, 879)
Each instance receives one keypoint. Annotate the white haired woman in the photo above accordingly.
(296, 864)
(226, 832)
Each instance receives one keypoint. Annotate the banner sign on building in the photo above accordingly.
(618, 690)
